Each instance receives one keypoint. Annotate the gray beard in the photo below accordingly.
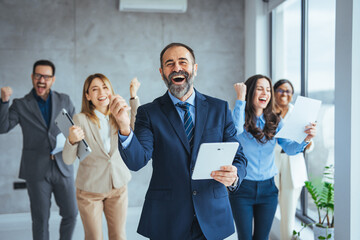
(179, 90)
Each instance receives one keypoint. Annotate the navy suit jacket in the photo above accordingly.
(173, 198)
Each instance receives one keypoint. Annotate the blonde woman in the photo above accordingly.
(102, 176)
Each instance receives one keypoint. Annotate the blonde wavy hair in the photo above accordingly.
(87, 107)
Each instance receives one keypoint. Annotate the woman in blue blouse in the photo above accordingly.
(257, 123)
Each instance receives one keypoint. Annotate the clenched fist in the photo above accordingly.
(240, 89)
(134, 87)
(6, 92)
(119, 109)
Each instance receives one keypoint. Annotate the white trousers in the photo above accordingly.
(288, 198)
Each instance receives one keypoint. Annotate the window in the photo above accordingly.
(321, 85)
(303, 51)
(286, 43)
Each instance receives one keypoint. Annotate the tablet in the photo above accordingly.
(212, 156)
(64, 122)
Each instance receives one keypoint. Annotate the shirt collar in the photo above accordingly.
(190, 100)
(262, 119)
(38, 98)
(101, 116)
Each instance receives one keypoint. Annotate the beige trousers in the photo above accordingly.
(114, 205)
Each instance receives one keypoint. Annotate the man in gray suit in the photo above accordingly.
(44, 171)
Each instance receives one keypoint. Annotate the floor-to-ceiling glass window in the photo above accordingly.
(286, 40)
(311, 66)
(321, 84)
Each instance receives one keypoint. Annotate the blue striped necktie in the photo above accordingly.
(188, 122)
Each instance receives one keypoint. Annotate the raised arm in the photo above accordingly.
(134, 100)
(132, 152)
(9, 117)
(292, 147)
(239, 109)
(137, 154)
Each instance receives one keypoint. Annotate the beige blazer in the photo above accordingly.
(100, 171)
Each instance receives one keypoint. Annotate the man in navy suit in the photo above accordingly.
(177, 207)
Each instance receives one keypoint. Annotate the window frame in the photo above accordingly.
(302, 213)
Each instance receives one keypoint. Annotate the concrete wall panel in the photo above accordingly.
(83, 37)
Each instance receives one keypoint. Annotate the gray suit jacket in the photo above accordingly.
(38, 139)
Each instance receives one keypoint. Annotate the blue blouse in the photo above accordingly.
(261, 157)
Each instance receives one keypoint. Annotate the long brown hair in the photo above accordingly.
(271, 118)
(87, 107)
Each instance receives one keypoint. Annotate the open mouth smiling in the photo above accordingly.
(178, 79)
(263, 99)
(102, 98)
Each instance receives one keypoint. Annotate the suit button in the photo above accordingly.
(192, 170)
(194, 193)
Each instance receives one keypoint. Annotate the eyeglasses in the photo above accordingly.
(38, 76)
(281, 91)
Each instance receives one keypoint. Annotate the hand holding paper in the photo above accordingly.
(310, 131)
(304, 114)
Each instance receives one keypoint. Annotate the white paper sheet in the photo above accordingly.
(305, 111)
(60, 142)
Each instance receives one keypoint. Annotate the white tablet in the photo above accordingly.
(64, 122)
(212, 156)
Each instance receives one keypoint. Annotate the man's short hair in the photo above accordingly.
(44, 63)
(176, 45)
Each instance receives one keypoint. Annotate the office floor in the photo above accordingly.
(306, 234)
(18, 226)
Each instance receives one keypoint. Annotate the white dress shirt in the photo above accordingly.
(104, 129)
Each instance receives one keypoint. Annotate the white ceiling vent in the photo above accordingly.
(165, 6)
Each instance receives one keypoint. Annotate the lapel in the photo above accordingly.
(95, 132)
(34, 108)
(169, 110)
(201, 112)
(55, 104)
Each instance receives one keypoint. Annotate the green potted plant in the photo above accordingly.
(296, 235)
(323, 196)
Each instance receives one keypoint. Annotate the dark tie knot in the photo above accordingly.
(184, 106)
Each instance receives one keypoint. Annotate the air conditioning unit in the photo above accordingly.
(164, 6)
